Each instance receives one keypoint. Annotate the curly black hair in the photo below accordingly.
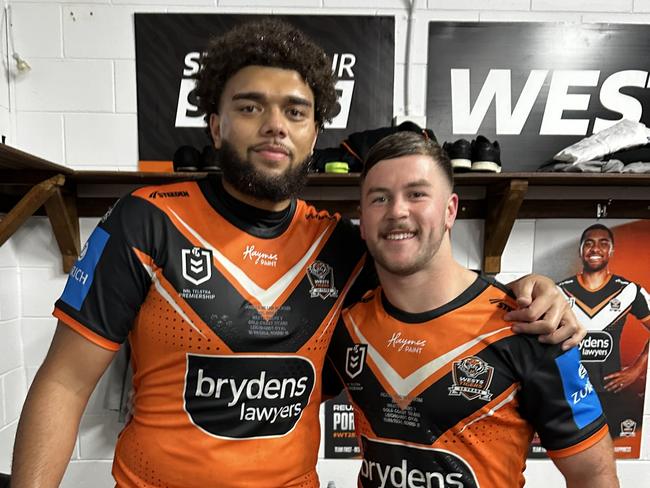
(268, 42)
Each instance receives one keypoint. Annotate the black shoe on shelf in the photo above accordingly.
(460, 154)
(486, 155)
(187, 158)
(209, 159)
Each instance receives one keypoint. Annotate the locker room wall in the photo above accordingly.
(77, 106)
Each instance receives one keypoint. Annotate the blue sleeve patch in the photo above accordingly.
(83, 271)
(578, 391)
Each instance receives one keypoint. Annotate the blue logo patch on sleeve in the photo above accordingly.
(578, 391)
(83, 271)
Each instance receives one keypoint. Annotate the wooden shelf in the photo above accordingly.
(30, 185)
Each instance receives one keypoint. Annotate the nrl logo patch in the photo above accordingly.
(354, 359)
(197, 265)
(321, 278)
(615, 305)
(628, 428)
(472, 377)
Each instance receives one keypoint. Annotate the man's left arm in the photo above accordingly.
(544, 311)
(594, 467)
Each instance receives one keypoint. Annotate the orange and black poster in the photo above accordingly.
(603, 269)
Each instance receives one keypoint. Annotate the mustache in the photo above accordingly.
(279, 145)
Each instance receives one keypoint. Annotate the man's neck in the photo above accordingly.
(595, 279)
(254, 201)
(428, 289)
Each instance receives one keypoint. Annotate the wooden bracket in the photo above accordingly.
(61, 209)
(28, 204)
(503, 202)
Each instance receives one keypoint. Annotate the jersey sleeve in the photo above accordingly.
(110, 280)
(558, 399)
(641, 304)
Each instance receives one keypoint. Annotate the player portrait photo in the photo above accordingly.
(602, 268)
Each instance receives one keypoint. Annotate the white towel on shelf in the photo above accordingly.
(638, 167)
(622, 135)
(610, 166)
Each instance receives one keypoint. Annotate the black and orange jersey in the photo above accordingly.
(450, 397)
(603, 312)
(228, 325)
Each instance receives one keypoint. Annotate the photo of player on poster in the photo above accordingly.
(603, 269)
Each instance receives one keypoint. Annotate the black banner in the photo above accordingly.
(340, 437)
(168, 48)
(535, 87)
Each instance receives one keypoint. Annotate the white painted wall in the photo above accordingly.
(78, 107)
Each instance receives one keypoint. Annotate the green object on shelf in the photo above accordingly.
(337, 167)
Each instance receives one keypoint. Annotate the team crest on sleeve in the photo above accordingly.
(472, 377)
(197, 265)
(355, 357)
(321, 278)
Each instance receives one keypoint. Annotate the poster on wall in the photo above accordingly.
(340, 437)
(602, 267)
(169, 46)
(536, 88)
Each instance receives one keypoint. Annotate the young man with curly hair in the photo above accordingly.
(227, 290)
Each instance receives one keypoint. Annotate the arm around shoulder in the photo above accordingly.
(56, 400)
(594, 467)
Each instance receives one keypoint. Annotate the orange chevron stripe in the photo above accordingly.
(592, 312)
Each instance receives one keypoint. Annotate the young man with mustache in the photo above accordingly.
(445, 394)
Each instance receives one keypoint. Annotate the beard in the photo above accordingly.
(244, 177)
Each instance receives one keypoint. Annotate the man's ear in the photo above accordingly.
(215, 130)
(313, 143)
(363, 234)
(451, 211)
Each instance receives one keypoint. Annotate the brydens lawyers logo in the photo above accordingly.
(354, 359)
(197, 265)
(388, 463)
(247, 396)
(472, 377)
(321, 278)
(596, 346)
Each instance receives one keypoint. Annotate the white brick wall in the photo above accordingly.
(584, 5)
(12, 370)
(77, 107)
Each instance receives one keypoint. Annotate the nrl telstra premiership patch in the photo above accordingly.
(81, 276)
(578, 391)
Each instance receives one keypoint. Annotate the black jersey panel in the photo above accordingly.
(118, 283)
